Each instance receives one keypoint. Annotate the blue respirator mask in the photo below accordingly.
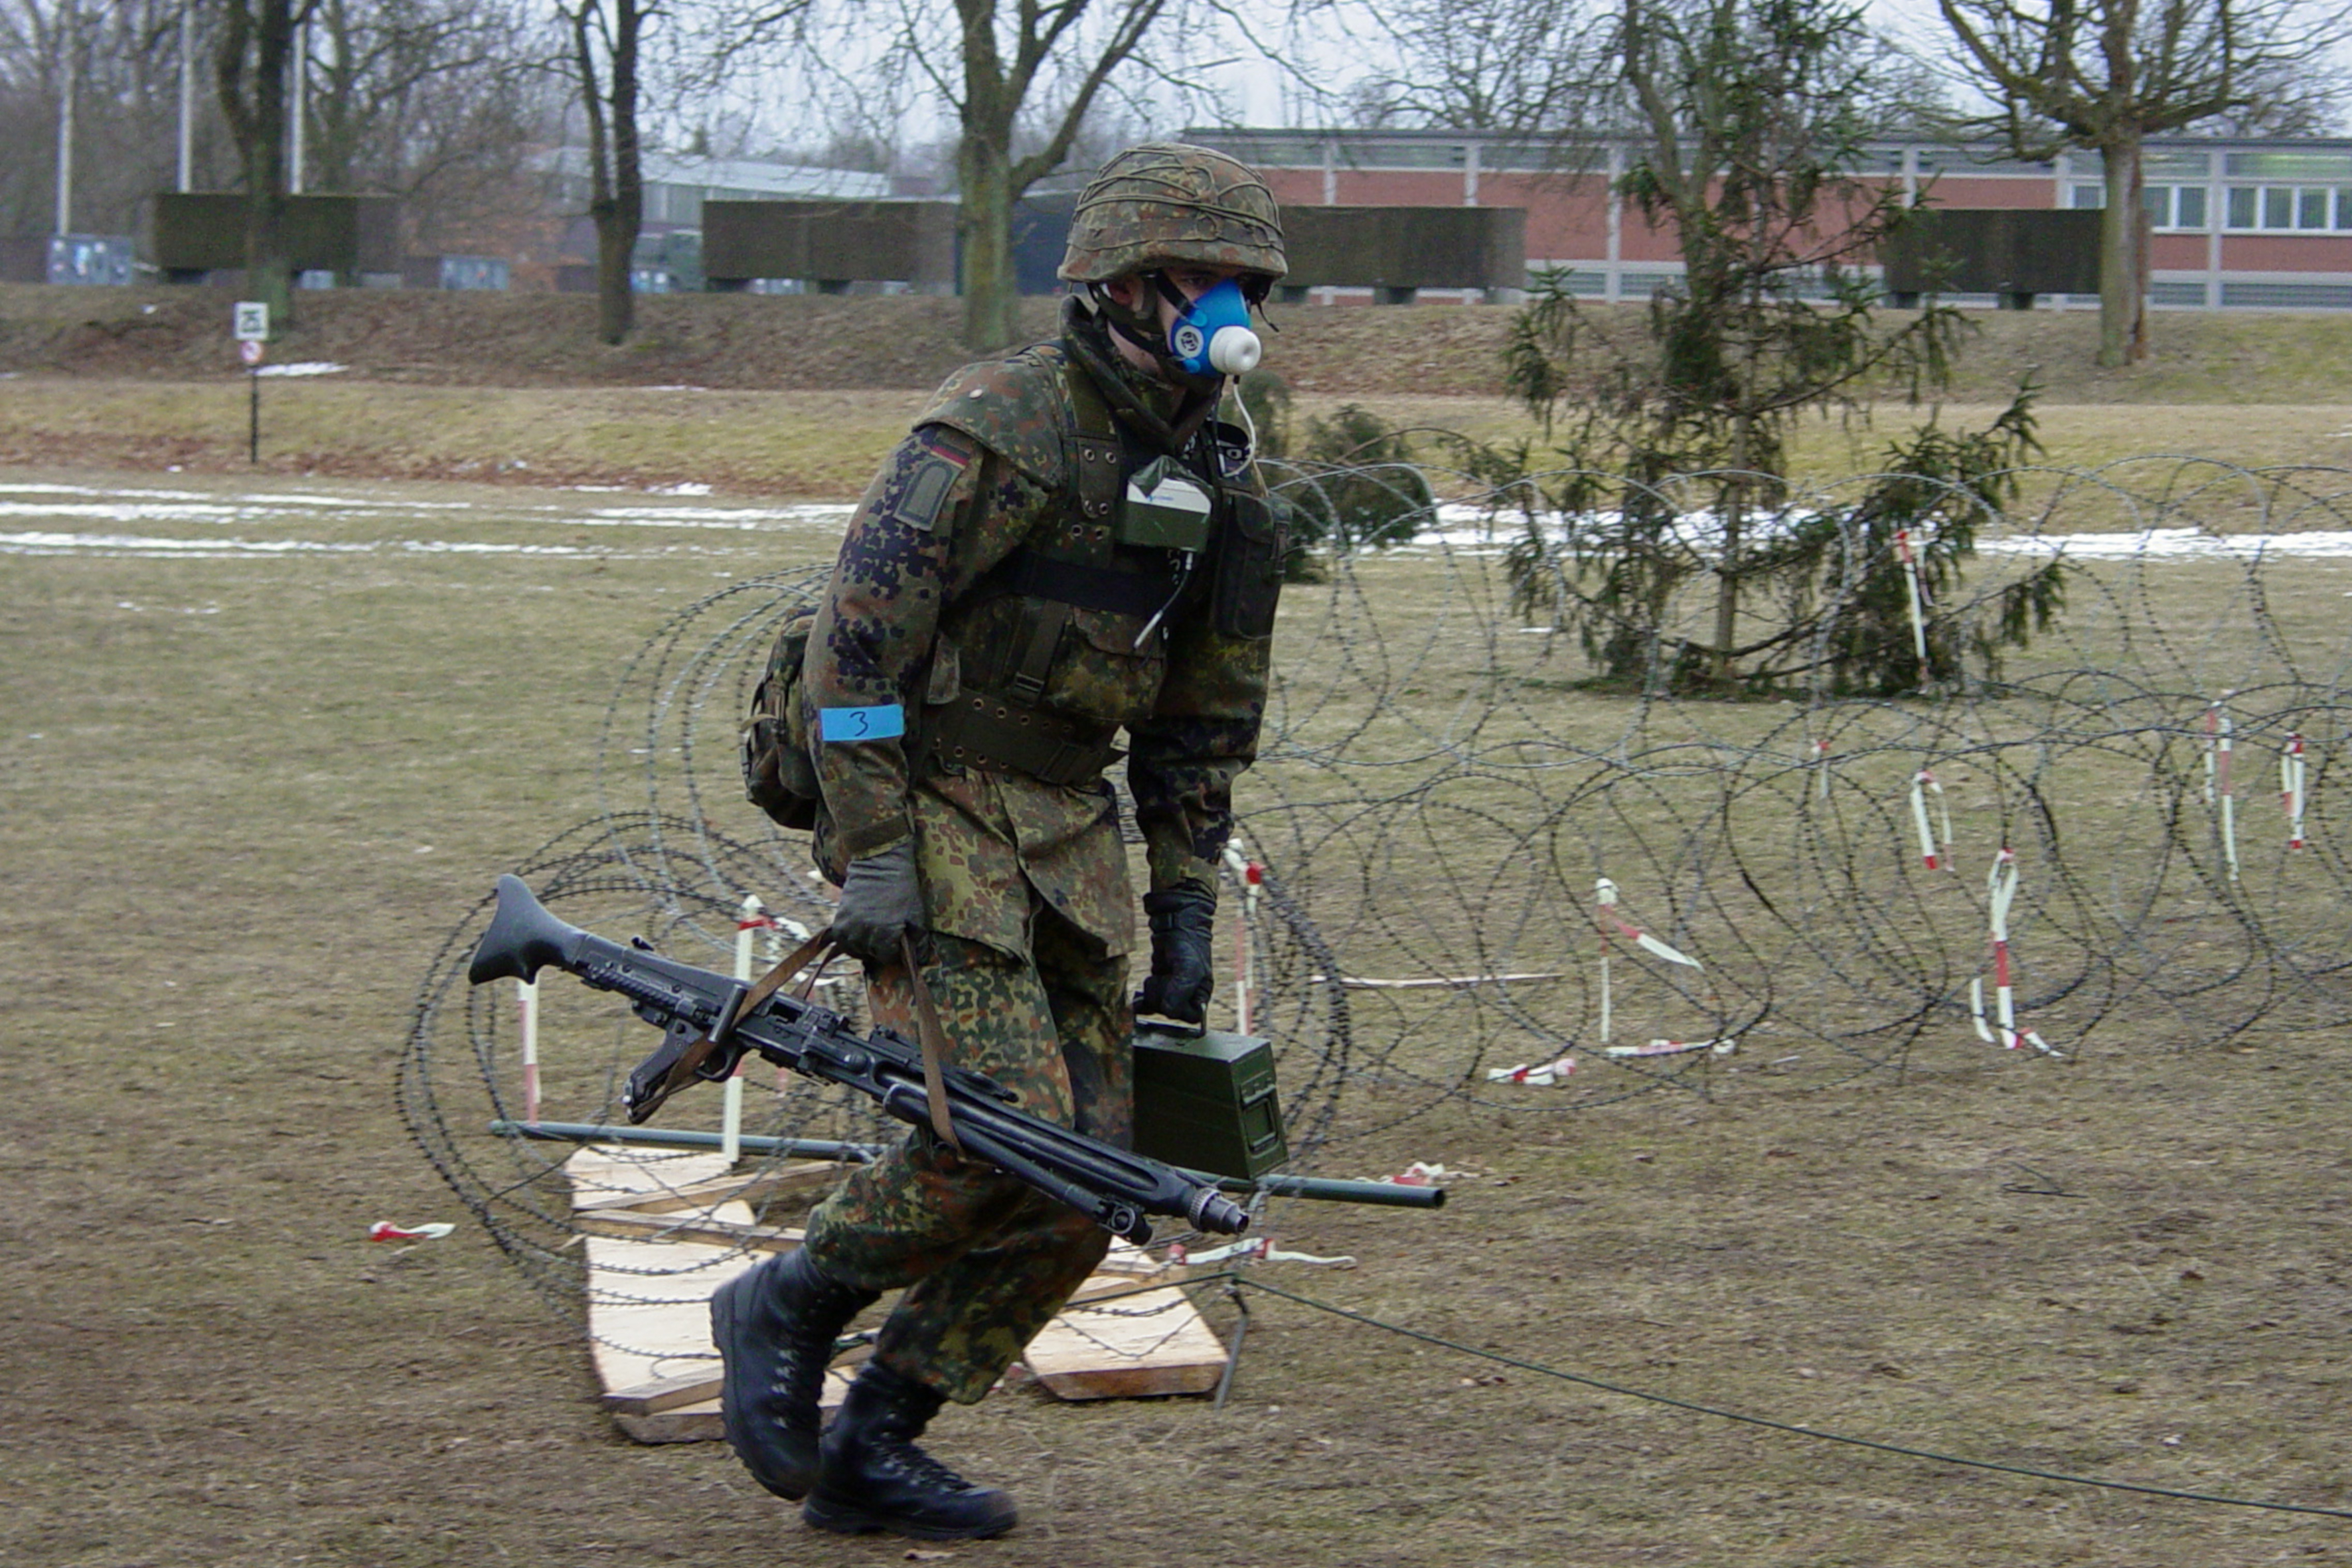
(1212, 335)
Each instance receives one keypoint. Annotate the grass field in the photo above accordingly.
(269, 737)
(259, 765)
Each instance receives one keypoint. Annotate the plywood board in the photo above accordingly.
(650, 1286)
(689, 1225)
(1151, 1342)
(767, 1181)
(649, 1289)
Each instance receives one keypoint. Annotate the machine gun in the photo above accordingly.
(706, 1029)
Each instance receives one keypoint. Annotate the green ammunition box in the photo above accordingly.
(1206, 1102)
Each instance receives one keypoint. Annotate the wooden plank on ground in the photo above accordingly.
(651, 1274)
(689, 1225)
(649, 1300)
(771, 1181)
(1152, 1343)
(687, 1423)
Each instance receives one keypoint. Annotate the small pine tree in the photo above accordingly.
(1673, 457)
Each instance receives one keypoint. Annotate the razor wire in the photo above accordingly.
(1469, 883)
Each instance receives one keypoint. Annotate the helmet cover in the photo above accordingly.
(1167, 203)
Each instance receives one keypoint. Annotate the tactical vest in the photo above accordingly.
(1000, 716)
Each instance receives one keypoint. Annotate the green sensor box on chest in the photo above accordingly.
(1206, 1102)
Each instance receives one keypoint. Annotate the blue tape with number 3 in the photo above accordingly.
(884, 723)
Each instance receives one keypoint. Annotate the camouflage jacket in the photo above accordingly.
(925, 597)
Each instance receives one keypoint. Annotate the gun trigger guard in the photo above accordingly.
(720, 1064)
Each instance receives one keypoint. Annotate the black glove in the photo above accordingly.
(1182, 920)
(881, 901)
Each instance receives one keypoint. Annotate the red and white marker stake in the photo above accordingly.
(1252, 877)
(2219, 744)
(750, 921)
(1915, 593)
(2291, 790)
(1822, 766)
(1722, 1048)
(1604, 898)
(527, 1024)
(1923, 783)
(1543, 1075)
(2000, 892)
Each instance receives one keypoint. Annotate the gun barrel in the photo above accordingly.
(1387, 1193)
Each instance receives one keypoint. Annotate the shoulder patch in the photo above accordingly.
(931, 465)
(1016, 407)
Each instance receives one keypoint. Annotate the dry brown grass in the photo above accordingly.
(246, 800)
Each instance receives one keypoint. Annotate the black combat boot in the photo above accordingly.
(774, 1326)
(872, 1476)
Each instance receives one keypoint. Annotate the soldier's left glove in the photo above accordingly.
(881, 901)
(1183, 919)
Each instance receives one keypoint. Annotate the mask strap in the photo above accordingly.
(1136, 327)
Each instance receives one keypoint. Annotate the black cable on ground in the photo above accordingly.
(1770, 1425)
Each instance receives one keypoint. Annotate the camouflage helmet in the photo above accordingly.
(1167, 203)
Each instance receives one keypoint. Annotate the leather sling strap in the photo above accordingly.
(934, 1042)
(933, 1038)
(820, 945)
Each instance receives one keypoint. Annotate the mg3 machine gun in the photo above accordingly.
(710, 1021)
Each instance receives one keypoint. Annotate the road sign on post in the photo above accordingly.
(250, 326)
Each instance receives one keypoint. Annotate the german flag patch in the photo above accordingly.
(936, 459)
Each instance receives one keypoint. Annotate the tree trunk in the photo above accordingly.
(615, 175)
(256, 110)
(992, 295)
(2122, 270)
(616, 244)
(616, 248)
(984, 174)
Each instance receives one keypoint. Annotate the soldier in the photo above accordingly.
(1069, 544)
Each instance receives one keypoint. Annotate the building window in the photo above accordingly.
(2168, 206)
(2290, 208)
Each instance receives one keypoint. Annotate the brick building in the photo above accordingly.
(2238, 224)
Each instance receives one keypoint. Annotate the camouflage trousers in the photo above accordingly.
(987, 1260)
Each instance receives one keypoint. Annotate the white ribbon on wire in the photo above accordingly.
(1916, 592)
(2221, 746)
(1923, 783)
(2292, 781)
(2000, 892)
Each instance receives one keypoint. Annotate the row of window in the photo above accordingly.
(2252, 209)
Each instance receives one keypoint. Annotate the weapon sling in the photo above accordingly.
(821, 948)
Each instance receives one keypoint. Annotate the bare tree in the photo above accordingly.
(256, 41)
(613, 44)
(123, 62)
(1022, 79)
(1533, 68)
(2104, 75)
(436, 102)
